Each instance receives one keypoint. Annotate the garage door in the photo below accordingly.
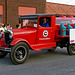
(26, 10)
(1, 14)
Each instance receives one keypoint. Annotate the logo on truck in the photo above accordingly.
(45, 33)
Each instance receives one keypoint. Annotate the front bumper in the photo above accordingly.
(2, 49)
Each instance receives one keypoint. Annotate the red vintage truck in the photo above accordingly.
(31, 36)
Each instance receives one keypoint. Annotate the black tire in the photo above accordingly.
(71, 49)
(19, 53)
(3, 54)
(52, 49)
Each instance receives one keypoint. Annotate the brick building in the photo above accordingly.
(10, 10)
(60, 9)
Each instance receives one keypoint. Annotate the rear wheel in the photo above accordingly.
(3, 54)
(19, 53)
(71, 49)
(52, 49)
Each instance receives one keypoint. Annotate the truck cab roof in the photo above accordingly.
(34, 16)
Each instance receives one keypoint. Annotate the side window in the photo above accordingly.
(45, 22)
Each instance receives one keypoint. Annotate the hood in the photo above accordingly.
(23, 31)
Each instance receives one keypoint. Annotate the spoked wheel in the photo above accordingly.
(71, 49)
(19, 53)
(52, 49)
(3, 54)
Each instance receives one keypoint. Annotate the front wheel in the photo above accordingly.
(19, 53)
(71, 49)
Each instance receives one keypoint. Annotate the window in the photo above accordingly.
(30, 22)
(0, 18)
(45, 22)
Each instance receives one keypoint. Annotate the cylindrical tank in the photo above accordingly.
(69, 27)
(63, 28)
(74, 25)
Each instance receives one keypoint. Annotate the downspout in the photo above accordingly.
(5, 11)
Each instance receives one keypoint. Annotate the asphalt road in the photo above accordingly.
(41, 63)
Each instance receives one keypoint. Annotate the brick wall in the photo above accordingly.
(60, 9)
(12, 8)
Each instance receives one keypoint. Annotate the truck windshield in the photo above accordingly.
(30, 22)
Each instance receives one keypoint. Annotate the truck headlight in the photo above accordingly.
(11, 34)
(0, 34)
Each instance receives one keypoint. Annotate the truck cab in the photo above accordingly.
(44, 35)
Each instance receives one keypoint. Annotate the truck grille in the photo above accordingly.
(7, 39)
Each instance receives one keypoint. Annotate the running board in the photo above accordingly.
(39, 47)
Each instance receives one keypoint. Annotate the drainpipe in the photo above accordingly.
(5, 11)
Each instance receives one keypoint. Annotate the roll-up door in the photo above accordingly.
(26, 10)
(1, 14)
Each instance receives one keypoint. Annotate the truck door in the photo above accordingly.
(46, 34)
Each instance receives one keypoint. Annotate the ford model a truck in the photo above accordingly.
(33, 36)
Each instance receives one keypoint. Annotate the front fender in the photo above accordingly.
(15, 41)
